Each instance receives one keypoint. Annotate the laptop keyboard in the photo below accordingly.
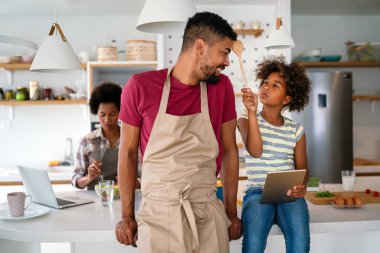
(63, 202)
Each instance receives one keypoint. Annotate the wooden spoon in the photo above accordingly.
(237, 48)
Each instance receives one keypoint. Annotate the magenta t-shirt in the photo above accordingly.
(141, 98)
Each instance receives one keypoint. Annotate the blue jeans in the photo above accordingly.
(291, 217)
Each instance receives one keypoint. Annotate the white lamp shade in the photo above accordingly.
(164, 16)
(279, 39)
(55, 55)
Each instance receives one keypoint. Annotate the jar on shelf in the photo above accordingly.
(34, 90)
(1, 94)
(9, 95)
(21, 94)
(47, 94)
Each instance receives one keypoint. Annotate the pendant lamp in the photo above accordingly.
(55, 53)
(279, 38)
(165, 16)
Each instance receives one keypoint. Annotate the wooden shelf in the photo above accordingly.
(44, 102)
(255, 32)
(24, 66)
(341, 64)
(366, 97)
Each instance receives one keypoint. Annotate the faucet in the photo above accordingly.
(68, 157)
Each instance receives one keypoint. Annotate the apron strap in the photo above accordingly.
(166, 92)
(186, 205)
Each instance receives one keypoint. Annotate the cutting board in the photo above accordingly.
(366, 198)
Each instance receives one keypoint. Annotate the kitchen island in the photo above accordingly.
(90, 228)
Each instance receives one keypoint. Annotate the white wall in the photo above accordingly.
(38, 133)
(330, 34)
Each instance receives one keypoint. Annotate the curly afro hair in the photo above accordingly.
(298, 85)
(207, 26)
(105, 93)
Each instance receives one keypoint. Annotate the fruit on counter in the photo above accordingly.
(368, 191)
(54, 163)
(375, 194)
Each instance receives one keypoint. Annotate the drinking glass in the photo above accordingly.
(106, 192)
(348, 180)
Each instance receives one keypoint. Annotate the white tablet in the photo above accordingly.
(278, 183)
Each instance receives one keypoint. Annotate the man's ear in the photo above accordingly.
(199, 46)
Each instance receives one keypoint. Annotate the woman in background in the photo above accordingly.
(97, 154)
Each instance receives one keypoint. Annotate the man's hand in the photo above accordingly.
(126, 231)
(236, 228)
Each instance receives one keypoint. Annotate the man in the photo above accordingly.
(186, 130)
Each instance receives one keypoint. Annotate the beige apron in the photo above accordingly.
(179, 211)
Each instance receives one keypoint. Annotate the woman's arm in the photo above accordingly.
(300, 163)
(300, 156)
(249, 128)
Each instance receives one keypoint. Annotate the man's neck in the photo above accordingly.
(185, 71)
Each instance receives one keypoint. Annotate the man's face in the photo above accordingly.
(215, 59)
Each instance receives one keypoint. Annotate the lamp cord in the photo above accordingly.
(55, 11)
(278, 9)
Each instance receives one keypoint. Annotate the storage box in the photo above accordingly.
(141, 50)
(369, 51)
(107, 53)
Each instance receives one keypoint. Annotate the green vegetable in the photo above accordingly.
(313, 182)
(324, 194)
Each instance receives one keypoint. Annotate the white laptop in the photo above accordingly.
(37, 184)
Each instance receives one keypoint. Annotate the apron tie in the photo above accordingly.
(186, 205)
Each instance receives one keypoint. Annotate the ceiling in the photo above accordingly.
(133, 7)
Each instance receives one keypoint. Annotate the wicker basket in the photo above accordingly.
(141, 50)
(107, 53)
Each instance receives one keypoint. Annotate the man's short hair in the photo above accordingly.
(207, 26)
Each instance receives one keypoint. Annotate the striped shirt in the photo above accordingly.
(278, 150)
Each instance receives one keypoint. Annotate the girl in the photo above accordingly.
(275, 143)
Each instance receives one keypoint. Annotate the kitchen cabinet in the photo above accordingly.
(117, 72)
(366, 99)
(23, 66)
(11, 67)
(44, 102)
(347, 64)
(254, 32)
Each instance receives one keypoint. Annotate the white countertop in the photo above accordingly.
(93, 222)
(56, 173)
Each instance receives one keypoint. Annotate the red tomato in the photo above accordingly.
(368, 191)
(375, 194)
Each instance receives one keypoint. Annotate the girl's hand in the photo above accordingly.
(94, 170)
(250, 100)
(298, 191)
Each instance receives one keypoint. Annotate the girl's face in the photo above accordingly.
(272, 91)
(108, 115)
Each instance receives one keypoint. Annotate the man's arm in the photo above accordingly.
(126, 229)
(230, 176)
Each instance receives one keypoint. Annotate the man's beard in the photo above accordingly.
(211, 77)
